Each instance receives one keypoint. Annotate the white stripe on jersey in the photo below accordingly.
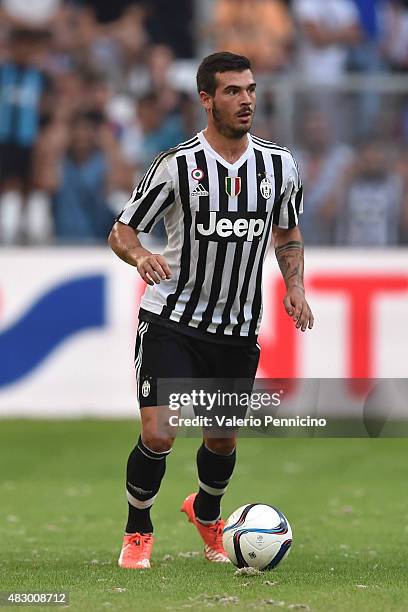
(217, 241)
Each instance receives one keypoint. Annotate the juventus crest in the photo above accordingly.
(266, 188)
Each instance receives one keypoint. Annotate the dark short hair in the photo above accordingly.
(219, 62)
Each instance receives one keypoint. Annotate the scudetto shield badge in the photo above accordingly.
(233, 186)
(266, 188)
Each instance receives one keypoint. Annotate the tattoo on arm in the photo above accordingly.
(290, 260)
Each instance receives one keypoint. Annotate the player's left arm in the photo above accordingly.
(289, 253)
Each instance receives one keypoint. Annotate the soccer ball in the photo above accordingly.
(257, 535)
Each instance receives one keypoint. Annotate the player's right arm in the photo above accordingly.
(149, 202)
(124, 242)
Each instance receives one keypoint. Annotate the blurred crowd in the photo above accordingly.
(91, 91)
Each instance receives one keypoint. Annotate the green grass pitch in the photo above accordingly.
(62, 513)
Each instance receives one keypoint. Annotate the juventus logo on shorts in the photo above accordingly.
(145, 388)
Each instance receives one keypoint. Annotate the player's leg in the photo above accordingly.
(217, 454)
(215, 464)
(159, 354)
(234, 368)
(146, 467)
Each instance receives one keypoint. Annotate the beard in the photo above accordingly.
(225, 128)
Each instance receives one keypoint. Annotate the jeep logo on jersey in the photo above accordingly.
(229, 226)
(233, 186)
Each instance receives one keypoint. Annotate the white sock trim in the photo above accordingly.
(155, 452)
(208, 522)
(211, 490)
(220, 454)
(152, 458)
(140, 505)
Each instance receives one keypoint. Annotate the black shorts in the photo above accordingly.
(15, 162)
(165, 353)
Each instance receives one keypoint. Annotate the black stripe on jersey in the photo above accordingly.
(220, 256)
(243, 194)
(204, 205)
(223, 196)
(260, 175)
(291, 212)
(148, 177)
(257, 301)
(298, 199)
(169, 200)
(144, 208)
(277, 170)
(185, 250)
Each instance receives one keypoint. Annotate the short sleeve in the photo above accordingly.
(151, 199)
(287, 210)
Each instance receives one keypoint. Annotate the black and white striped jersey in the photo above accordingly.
(218, 217)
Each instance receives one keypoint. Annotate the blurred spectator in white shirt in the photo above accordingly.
(321, 162)
(370, 205)
(328, 28)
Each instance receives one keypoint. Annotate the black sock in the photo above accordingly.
(214, 472)
(145, 470)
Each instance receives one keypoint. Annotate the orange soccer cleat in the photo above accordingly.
(211, 534)
(136, 551)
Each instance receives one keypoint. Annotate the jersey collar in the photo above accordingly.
(222, 161)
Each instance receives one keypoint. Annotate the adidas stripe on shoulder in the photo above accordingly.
(268, 144)
(148, 177)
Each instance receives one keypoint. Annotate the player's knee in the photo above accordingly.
(221, 446)
(156, 443)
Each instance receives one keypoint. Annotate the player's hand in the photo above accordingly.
(152, 267)
(298, 309)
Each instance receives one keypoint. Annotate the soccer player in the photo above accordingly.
(223, 194)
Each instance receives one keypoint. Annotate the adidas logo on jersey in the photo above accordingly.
(230, 226)
(199, 191)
